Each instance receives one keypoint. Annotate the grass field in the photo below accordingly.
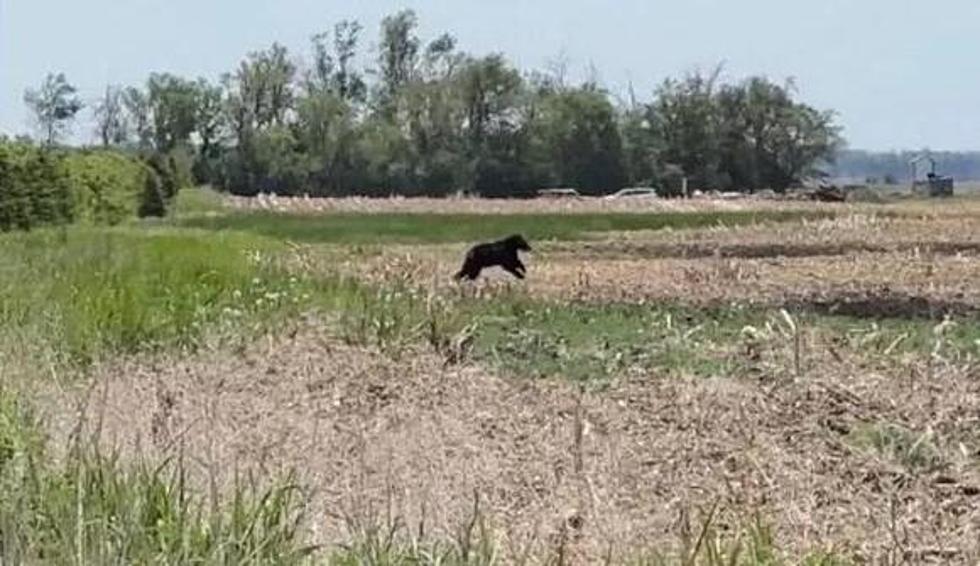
(682, 384)
(422, 228)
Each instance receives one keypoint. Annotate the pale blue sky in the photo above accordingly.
(901, 74)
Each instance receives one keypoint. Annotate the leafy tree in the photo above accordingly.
(260, 95)
(580, 131)
(34, 187)
(489, 88)
(434, 120)
(642, 149)
(261, 91)
(325, 132)
(55, 105)
(430, 123)
(385, 156)
(153, 202)
(685, 117)
(324, 129)
(210, 128)
(138, 115)
(173, 104)
(739, 156)
(110, 117)
(492, 94)
(334, 72)
(769, 140)
(441, 59)
(161, 182)
(397, 55)
(276, 164)
(107, 184)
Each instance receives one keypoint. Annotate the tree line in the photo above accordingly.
(426, 118)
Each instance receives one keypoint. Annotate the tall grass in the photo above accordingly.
(71, 297)
(696, 542)
(89, 509)
(83, 292)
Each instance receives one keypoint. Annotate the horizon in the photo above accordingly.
(884, 101)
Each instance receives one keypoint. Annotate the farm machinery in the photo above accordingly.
(933, 185)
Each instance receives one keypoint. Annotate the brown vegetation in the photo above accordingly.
(376, 439)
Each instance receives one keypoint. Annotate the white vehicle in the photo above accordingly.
(558, 193)
(633, 192)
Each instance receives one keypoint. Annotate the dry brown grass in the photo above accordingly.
(375, 439)
(958, 208)
(473, 205)
(883, 265)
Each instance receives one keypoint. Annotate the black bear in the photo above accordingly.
(502, 253)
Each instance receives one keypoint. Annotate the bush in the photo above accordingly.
(34, 187)
(153, 201)
(108, 186)
(168, 174)
(40, 186)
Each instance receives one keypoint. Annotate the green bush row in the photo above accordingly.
(42, 186)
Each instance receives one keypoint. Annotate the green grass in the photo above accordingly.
(897, 444)
(197, 201)
(957, 340)
(78, 295)
(85, 292)
(407, 228)
(594, 343)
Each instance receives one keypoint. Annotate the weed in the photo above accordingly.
(597, 342)
(704, 543)
(895, 443)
